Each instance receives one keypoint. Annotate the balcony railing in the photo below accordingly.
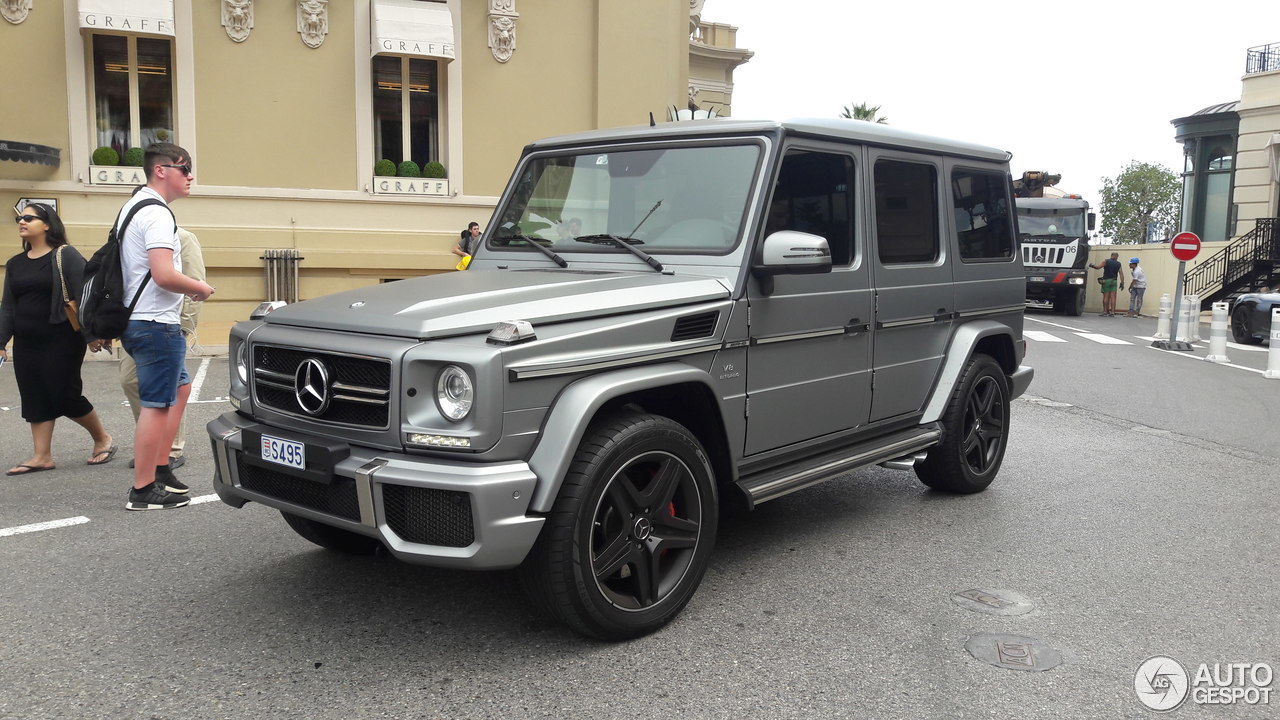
(1263, 58)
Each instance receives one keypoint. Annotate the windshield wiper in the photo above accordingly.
(538, 246)
(625, 243)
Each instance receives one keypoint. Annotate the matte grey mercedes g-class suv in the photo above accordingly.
(657, 318)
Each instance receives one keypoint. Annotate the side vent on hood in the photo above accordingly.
(691, 327)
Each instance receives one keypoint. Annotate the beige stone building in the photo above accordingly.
(287, 105)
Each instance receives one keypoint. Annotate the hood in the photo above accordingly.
(461, 303)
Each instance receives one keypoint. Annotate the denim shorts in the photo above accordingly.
(160, 352)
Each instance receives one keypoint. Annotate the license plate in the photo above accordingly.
(1036, 279)
(284, 452)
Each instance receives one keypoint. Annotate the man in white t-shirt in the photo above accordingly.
(154, 337)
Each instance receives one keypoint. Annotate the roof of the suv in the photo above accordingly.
(835, 128)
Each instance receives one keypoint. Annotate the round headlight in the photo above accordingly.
(454, 392)
(242, 362)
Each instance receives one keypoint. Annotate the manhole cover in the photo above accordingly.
(1013, 652)
(993, 602)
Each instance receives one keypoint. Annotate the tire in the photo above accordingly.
(1242, 327)
(629, 537)
(332, 538)
(975, 431)
(1075, 303)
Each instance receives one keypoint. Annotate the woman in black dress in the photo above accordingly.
(47, 351)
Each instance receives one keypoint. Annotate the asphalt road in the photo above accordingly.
(1135, 520)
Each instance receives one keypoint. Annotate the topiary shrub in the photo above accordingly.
(132, 157)
(408, 168)
(106, 156)
(384, 168)
(433, 169)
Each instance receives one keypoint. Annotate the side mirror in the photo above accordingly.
(1093, 221)
(789, 252)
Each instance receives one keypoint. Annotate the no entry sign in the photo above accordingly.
(1185, 246)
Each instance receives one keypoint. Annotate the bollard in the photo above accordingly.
(1162, 324)
(1183, 321)
(1218, 334)
(1273, 355)
(1193, 332)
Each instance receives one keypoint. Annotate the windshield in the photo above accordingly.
(668, 200)
(1068, 222)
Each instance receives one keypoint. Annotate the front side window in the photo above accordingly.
(132, 91)
(906, 212)
(682, 199)
(814, 194)
(983, 225)
(406, 109)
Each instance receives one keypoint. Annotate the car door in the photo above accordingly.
(808, 367)
(914, 300)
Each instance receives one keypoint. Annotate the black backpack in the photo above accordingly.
(103, 313)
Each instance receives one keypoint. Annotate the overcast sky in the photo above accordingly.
(1078, 88)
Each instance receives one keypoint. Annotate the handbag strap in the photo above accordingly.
(57, 255)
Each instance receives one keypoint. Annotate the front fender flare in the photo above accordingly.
(573, 411)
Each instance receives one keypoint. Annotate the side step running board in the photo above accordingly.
(776, 482)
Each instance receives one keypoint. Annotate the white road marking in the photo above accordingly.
(1041, 336)
(198, 380)
(37, 527)
(1054, 324)
(1103, 339)
(204, 499)
(1197, 357)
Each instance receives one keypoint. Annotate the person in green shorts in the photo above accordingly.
(1112, 277)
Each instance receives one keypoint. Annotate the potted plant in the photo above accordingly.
(384, 168)
(433, 169)
(409, 168)
(132, 157)
(106, 156)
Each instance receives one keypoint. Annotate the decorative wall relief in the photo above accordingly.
(15, 11)
(313, 21)
(502, 28)
(237, 18)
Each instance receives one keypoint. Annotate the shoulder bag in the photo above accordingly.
(68, 305)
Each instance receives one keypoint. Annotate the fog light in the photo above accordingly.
(1076, 281)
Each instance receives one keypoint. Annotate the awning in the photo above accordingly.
(143, 17)
(412, 27)
(30, 152)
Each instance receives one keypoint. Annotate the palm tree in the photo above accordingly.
(862, 112)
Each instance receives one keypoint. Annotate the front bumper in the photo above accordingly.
(426, 511)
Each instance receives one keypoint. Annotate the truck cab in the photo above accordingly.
(1054, 236)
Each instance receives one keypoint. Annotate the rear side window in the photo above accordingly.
(906, 212)
(983, 223)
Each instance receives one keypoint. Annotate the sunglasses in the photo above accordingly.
(186, 169)
(27, 218)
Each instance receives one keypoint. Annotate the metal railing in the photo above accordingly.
(1231, 265)
(1263, 58)
(281, 273)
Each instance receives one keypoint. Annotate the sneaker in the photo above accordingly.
(154, 497)
(170, 482)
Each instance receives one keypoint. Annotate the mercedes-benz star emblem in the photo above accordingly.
(311, 386)
(643, 528)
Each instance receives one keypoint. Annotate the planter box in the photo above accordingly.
(116, 175)
(432, 187)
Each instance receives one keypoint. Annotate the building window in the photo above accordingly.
(132, 91)
(981, 206)
(406, 109)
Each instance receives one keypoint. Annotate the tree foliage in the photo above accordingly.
(862, 112)
(1140, 194)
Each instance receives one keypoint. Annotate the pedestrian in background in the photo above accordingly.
(1111, 275)
(150, 256)
(1137, 288)
(48, 349)
(466, 246)
(192, 267)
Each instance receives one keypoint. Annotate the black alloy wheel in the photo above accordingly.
(1242, 327)
(630, 535)
(975, 429)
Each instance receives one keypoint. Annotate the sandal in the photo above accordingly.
(28, 469)
(109, 452)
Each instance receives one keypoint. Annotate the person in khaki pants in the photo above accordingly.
(192, 267)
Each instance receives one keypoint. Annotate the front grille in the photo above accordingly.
(1044, 255)
(428, 516)
(337, 497)
(359, 388)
